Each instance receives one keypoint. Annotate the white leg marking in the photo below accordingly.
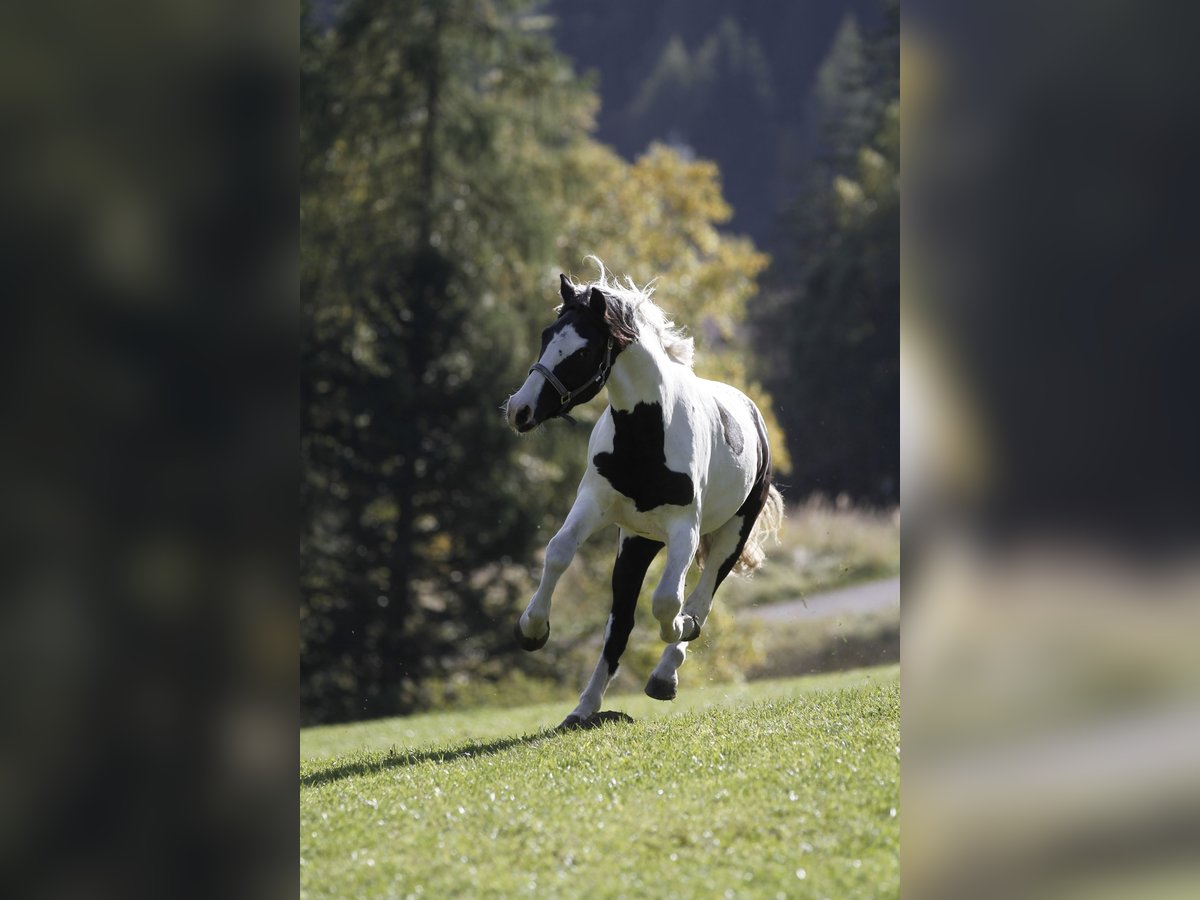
(593, 694)
(668, 596)
(663, 679)
(584, 519)
(723, 544)
(699, 603)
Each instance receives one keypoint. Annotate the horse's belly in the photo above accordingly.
(652, 524)
(720, 501)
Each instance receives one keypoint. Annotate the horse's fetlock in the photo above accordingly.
(534, 625)
(666, 606)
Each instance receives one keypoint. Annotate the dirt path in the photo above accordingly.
(873, 596)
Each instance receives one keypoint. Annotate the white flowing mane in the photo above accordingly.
(634, 309)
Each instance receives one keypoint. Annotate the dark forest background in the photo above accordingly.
(455, 156)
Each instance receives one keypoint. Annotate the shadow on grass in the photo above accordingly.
(399, 759)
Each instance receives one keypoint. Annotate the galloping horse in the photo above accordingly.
(674, 460)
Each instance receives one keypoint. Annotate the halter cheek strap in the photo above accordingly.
(565, 396)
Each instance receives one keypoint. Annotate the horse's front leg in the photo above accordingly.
(585, 519)
(682, 542)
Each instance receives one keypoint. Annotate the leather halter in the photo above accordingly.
(565, 396)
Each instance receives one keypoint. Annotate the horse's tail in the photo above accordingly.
(766, 528)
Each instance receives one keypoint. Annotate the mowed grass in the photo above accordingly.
(786, 788)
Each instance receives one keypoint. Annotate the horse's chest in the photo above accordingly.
(637, 465)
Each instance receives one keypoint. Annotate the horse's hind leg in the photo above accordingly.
(585, 519)
(663, 680)
(634, 555)
(682, 542)
(725, 546)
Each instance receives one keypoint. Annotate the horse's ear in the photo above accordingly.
(565, 288)
(597, 302)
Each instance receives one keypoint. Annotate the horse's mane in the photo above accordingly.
(631, 312)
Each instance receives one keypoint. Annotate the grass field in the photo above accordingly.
(786, 788)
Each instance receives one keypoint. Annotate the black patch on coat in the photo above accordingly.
(755, 500)
(629, 571)
(731, 429)
(637, 466)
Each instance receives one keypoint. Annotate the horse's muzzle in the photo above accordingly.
(520, 418)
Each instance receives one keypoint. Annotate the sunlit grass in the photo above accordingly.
(776, 788)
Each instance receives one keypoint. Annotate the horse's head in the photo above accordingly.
(577, 352)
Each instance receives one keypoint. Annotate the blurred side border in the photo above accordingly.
(1050, 495)
(148, 631)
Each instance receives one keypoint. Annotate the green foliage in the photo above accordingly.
(783, 787)
(829, 327)
(447, 176)
(427, 129)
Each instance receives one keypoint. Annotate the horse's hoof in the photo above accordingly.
(691, 628)
(661, 688)
(570, 723)
(530, 644)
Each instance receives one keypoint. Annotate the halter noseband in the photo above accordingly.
(565, 396)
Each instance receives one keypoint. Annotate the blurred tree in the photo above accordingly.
(447, 174)
(828, 329)
(844, 104)
(718, 77)
(427, 127)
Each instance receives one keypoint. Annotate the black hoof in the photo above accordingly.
(573, 722)
(661, 688)
(691, 628)
(530, 644)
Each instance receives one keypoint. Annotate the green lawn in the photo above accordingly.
(777, 788)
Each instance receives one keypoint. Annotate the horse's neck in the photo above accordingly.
(641, 374)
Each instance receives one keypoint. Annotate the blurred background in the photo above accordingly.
(148, 633)
(455, 157)
(1051, 713)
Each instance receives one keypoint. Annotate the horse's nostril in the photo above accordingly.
(523, 416)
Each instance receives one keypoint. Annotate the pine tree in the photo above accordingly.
(426, 128)
(828, 328)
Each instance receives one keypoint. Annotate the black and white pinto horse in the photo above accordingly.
(674, 461)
